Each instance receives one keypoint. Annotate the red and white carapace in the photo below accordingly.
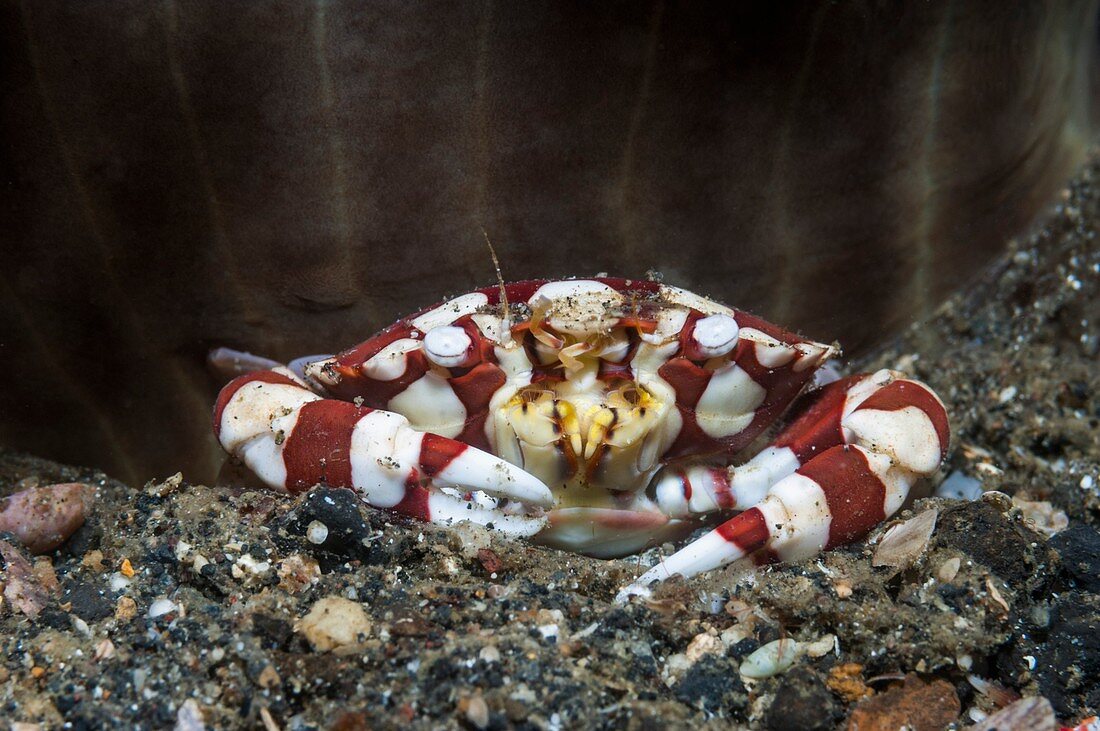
(596, 415)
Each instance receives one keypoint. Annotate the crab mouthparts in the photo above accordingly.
(575, 431)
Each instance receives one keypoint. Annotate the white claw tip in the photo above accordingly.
(623, 597)
(716, 335)
(446, 346)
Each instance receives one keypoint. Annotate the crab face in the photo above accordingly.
(597, 399)
(592, 386)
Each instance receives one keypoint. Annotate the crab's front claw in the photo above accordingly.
(294, 439)
(835, 498)
(839, 470)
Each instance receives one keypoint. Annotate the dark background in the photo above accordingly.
(287, 178)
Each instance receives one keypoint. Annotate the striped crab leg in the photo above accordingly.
(294, 439)
(839, 470)
(847, 411)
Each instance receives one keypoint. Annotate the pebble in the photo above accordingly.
(915, 705)
(949, 569)
(21, 588)
(161, 606)
(477, 712)
(43, 518)
(189, 717)
(317, 532)
(125, 609)
(333, 623)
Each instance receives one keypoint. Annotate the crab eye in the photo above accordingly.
(447, 346)
(715, 335)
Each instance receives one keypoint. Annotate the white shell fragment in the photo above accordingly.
(447, 346)
(771, 659)
(1033, 714)
(779, 655)
(716, 335)
(904, 543)
(161, 607)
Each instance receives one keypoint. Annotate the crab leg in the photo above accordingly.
(883, 411)
(293, 439)
(891, 432)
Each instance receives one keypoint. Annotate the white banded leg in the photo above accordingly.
(294, 439)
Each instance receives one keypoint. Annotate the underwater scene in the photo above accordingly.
(550, 366)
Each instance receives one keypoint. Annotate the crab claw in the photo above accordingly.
(294, 439)
(835, 498)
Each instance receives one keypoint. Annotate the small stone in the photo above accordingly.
(87, 600)
(43, 518)
(948, 570)
(125, 609)
(126, 568)
(802, 703)
(846, 681)
(160, 607)
(771, 659)
(489, 653)
(712, 684)
(703, 644)
(297, 573)
(477, 712)
(490, 561)
(958, 486)
(316, 532)
(189, 717)
(915, 705)
(21, 587)
(104, 650)
(269, 677)
(1041, 516)
(93, 561)
(333, 623)
(331, 519)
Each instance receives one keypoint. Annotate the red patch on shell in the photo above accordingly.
(748, 531)
(817, 428)
(318, 449)
(475, 389)
(415, 502)
(437, 452)
(855, 495)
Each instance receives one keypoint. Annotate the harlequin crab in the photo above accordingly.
(595, 415)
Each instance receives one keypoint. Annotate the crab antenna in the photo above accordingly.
(506, 320)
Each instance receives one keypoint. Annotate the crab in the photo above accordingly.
(601, 416)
